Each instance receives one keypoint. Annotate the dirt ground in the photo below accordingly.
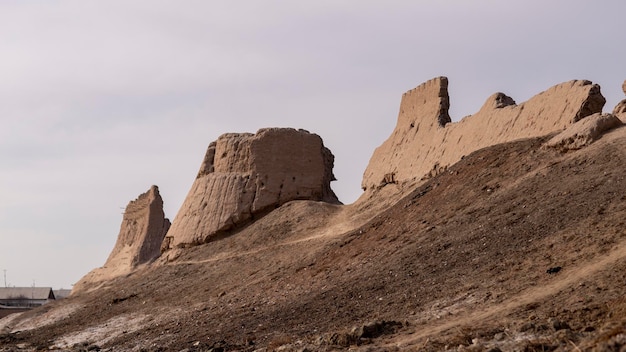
(514, 248)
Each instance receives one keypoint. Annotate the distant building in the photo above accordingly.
(61, 293)
(25, 297)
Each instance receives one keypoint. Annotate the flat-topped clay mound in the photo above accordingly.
(246, 174)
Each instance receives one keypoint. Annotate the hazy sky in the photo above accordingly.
(101, 99)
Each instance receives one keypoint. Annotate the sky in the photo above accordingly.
(99, 100)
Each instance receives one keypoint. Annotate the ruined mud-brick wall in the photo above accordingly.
(142, 231)
(246, 174)
(424, 138)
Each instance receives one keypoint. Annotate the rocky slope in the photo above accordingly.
(519, 246)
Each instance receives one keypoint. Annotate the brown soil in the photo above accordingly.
(469, 260)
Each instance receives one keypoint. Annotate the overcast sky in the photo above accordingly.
(101, 99)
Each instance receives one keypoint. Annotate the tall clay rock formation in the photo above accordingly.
(246, 174)
(424, 138)
(142, 231)
(139, 241)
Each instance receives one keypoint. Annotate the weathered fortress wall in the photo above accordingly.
(139, 241)
(242, 175)
(142, 231)
(424, 137)
(246, 174)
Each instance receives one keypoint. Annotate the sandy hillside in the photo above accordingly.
(517, 247)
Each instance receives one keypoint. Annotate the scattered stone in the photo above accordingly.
(362, 334)
(554, 270)
(378, 328)
(542, 327)
(567, 334)
(559, 325)
(122, 299)
(615, 343)
(527, 327)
